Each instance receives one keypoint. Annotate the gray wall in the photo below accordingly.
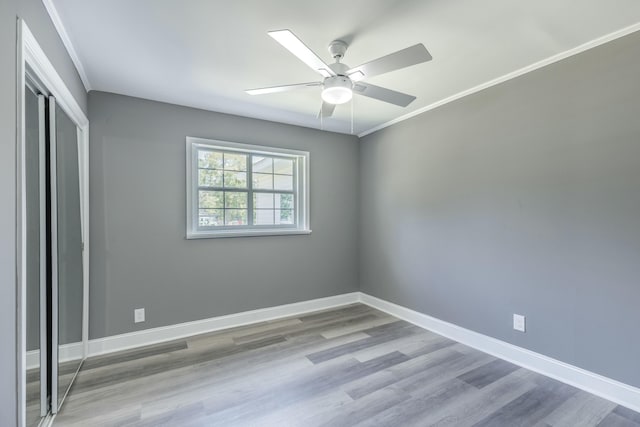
(7, 213)
(36, 17)
(139, 255)
(523, 198)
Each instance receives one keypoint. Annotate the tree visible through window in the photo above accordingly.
(250, 189)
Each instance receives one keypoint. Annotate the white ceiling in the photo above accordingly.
(205, 53)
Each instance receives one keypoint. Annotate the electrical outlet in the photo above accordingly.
(138, 315)
(519, 322)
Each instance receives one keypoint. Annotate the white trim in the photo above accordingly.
(596, 384)
(512, 75)
(21, 228)
(599, 385)
(49, 77)
(181, 330)
(53, 189)
(73, 351)
(246, 148)
(32, 359)
(222, 234)
(62, 32)
(44, 312)
(300, 191)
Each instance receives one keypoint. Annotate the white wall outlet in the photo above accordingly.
(138, 315)
(518, 322)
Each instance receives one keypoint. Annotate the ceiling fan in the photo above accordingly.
(340, 81)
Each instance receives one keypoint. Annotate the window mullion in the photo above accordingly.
(296, 191)
(224, 195)
(250, 189)
(195, 194)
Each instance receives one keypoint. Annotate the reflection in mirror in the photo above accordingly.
(68, 248)
(36, 262)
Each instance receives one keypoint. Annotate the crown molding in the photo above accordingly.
(512, 75)
(62, 32)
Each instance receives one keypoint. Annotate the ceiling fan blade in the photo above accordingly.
(413, 55)
(382, 94)
(294, 45)
(276, 89)
(326, 110)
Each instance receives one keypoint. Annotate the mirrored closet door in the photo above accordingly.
(36, 272)
(66, 245)
(54, 279)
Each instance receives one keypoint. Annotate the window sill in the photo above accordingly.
(245, 233)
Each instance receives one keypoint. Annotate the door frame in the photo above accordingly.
(29, 53)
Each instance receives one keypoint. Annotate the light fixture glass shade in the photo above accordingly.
(337, 95)
(337, 90)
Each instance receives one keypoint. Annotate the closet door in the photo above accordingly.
(66, 253)
(36, 245)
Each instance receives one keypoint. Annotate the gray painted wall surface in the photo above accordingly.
(139, 255)
(7, 213)
(523, 198)
(34, 13)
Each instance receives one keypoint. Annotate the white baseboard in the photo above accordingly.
(181, 330)
(73, 351)
(615, 391)
(66, 353)
(33, 359)
(599, 385)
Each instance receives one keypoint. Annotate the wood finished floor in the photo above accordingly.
(352, 366)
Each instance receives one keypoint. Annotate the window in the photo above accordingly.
(245, 190)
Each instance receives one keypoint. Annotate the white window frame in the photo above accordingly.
(301, 191)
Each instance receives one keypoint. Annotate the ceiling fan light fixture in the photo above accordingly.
(337, 90)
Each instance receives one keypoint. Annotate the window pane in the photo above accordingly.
(284, 201)
(210, 217)
(235, 216)
(284, 216)
(263, 181)
(235, 179)
(263, 217)
(235, 200)
(209, 159)
(263, 200)
(235, 162)
(283, 166)
(210, 199)
(209, 178)
(283, 182)
(262, 164)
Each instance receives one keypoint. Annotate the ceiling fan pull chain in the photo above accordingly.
(352, 102)
(321, 118)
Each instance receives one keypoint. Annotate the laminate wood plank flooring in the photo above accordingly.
(32, 396)
(351, 366)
